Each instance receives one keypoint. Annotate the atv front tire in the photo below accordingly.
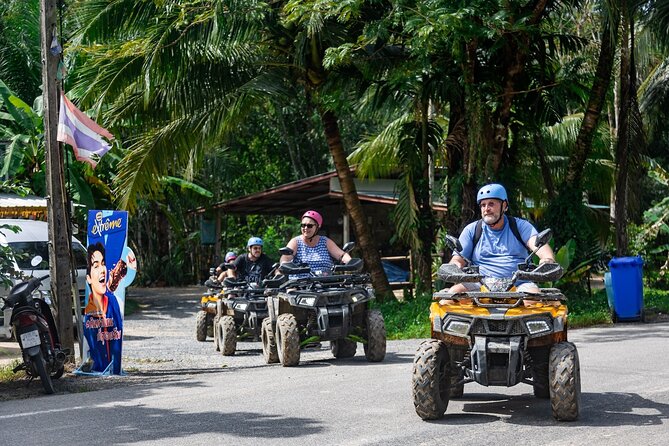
(287, 340)
(564, 376)
(269, 350)
(228, 335)
(431, 379)
(343, 348)
(201, 326)
(375, 347)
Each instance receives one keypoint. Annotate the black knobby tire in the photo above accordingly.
(375, 347)
(431, 379)
(343, 348)
(40, 368)
(201, 326)
(228, 335)
(217, 333)
(564, 375)
(269, 350)
(287, 340)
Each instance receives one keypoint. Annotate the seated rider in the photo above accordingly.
(222, 271)
(501, 246)
(318, 251)
(254, 266)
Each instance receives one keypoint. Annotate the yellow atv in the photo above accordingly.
(498, 337)
(204, 321)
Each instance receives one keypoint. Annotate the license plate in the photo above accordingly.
(30, 339)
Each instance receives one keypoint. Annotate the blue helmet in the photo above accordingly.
(491, 191)
(253, 241)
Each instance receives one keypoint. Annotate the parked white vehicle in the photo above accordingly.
(33, 240)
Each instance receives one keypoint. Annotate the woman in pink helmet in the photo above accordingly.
(316, 250)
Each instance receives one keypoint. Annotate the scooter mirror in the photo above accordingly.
(36, 261)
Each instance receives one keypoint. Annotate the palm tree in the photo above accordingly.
(186, 76)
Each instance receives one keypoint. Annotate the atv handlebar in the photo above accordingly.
(546, 272)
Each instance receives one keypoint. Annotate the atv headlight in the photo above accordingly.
(241, 306)
(308, 301)
(357, 297)
(537, 326)
(459, 327)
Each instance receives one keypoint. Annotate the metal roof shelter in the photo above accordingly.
(15, 206)
(319, 192)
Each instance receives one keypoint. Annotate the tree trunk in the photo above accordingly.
(370, 253)
(425, 228)
(593, 110)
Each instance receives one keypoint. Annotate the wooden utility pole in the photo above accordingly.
(60, 240)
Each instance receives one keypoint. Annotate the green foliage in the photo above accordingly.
(586, 310)
(407, 319)
(656, 300)
(7, 374)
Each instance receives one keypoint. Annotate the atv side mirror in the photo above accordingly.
(543, 237)
(453, 243)
(348, 247)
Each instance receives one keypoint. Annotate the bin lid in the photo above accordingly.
(625, 261)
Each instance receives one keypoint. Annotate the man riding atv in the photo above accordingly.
(498, 242)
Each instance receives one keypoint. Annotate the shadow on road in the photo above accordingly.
(608, 409)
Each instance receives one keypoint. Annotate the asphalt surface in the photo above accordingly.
(180, 391)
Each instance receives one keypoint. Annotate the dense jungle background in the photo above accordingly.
(564, 102)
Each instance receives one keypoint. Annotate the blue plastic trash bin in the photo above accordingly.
(627, 285)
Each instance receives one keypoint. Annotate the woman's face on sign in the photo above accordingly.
(98, 276)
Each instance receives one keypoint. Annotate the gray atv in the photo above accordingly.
(335, 308)
(240, 311)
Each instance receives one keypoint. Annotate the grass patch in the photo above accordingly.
(656, 300)
(7, 374)
(131, 306)
(409, 319)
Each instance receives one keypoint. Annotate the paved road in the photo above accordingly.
(188, 394)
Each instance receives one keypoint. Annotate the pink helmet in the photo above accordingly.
(314, 216)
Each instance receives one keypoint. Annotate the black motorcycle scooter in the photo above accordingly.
(35, 330)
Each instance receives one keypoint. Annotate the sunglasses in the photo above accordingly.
(307, 225)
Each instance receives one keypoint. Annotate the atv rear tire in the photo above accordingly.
(343, 348)
(431, 379)
(269, 350)
(201, 326)
(217, 333)
(375, 347)
(564, 375)
(228, 335)
(287, 340)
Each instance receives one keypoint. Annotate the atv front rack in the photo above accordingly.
(509, 299)
(328, 281)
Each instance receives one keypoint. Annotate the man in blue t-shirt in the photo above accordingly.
(498, 251)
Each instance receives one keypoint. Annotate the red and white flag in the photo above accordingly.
(82, 133)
